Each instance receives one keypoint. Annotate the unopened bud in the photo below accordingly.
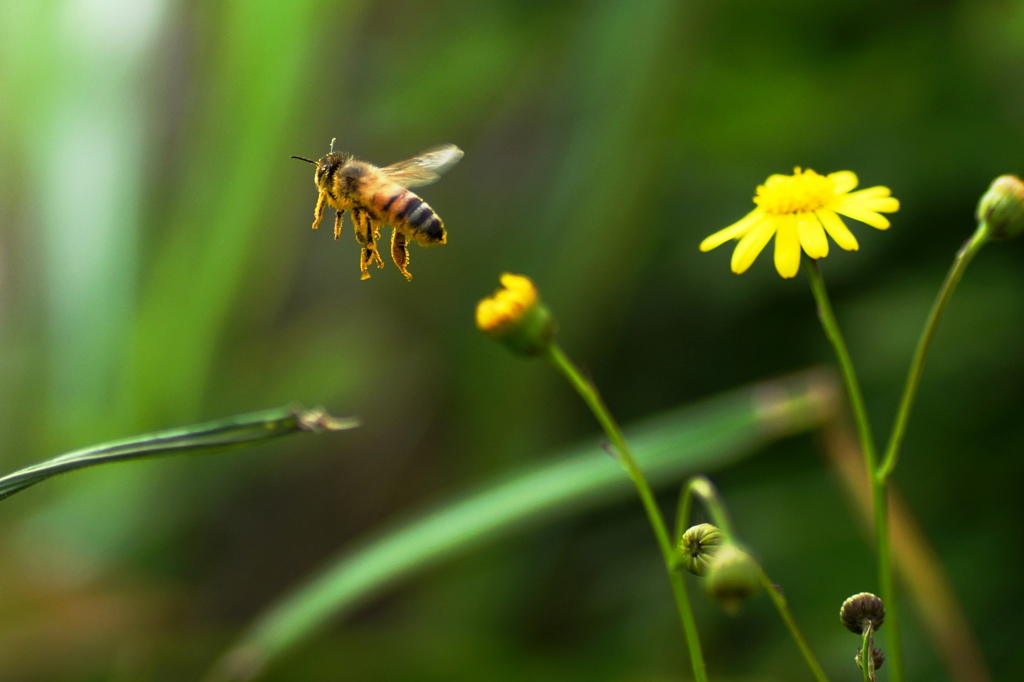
(877, 658)
(1001, 209)
(515, 316)
(733, 577)
(698, 547)
(860, 610)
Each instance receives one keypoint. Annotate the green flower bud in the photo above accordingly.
(860, 610)
(1001, 209)
(698, 547)
(515, 316)
(733, 577)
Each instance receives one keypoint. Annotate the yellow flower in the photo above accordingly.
(798, 210)
(515, 316)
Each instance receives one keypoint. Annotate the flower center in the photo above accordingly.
(802, 192)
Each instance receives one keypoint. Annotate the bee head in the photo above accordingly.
(327, 166)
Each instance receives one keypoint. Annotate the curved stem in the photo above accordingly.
(960, 263)
(683, 509)
(828, 321)
(592, 398)
(703, 488)
(787, 617)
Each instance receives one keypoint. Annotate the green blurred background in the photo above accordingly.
(157, 268)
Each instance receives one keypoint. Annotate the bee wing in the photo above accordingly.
(425, 168)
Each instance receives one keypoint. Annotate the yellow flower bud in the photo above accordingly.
(1001, 209)
(515, 316)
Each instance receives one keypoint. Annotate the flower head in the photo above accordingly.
(515, 316)
(798, 210)
(860, 611)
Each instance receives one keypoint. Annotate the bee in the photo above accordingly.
(377, 196)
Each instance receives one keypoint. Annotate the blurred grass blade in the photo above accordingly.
(235, 431)
(696, 438)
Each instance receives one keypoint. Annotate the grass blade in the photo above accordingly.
(237, 431)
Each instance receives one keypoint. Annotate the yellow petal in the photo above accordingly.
(812, 235)
(734, 231)
(874, 199)
(838, 230)
(883, 204)
(844, 181)
(853, 209)
(787, 246)
(875, 220)
(876, 191)
(751, 245)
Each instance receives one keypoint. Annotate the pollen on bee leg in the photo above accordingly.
(365, 256)
(318, 212)
(366, 233)
(369, 255)
(400, 253)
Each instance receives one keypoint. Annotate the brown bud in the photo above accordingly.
(860, 610)
(877, 658)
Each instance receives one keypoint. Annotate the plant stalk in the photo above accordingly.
(588, 392)
(879, 485)
(787, 617)
(963, 258)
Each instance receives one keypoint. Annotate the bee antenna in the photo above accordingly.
(332, 144)
(303, 158)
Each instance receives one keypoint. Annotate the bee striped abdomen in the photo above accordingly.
(407, 212)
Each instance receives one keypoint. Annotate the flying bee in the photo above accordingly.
(377, 196)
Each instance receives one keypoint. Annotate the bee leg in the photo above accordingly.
(366, 234)
(400, 252)
(365, 258)
(318, 212)
(376, 236)
(337, 224)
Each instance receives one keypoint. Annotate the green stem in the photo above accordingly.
(592, 398)
(867, 660)
(879, 486)
(683, 509)
(703, 488)
(787, 617)
(887, 578)
(960, 263)
(828, 321)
